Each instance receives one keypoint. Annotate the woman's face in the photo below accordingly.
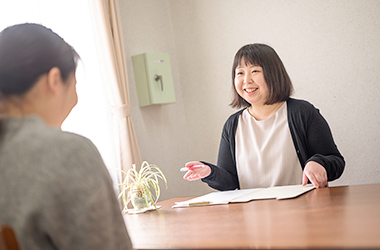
(250, 83)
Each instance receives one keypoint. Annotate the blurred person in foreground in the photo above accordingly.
(55, 190)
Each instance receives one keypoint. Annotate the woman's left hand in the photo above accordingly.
(316, 173)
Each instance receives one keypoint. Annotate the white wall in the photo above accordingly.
(331, 50)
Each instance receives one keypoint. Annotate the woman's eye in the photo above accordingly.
(239, 73)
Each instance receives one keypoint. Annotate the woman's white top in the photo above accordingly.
(265, 153)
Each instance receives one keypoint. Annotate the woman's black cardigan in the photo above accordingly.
(311, 136)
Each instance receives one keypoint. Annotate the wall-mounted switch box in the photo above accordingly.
(154, 80)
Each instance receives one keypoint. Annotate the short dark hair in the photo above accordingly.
(28, 51)
(279, 84)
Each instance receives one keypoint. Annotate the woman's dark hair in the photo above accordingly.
(27, 51)
(279, 84)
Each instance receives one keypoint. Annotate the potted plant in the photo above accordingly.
(141, 187)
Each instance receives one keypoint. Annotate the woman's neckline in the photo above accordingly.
(267, 113)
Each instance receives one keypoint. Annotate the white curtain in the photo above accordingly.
(106, 18)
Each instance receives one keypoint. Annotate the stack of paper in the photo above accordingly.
(245, 195)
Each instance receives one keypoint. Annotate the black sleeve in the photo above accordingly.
(313, 138)
(224, 176)
(322, 148)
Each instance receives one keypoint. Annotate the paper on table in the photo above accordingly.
(245, 195)
(292, 191)
(214, 198)
(279, 193)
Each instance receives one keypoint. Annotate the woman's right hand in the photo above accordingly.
(198, 173)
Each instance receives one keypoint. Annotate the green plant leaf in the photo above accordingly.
(146, 179)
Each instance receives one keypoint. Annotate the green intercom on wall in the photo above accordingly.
(154, 80)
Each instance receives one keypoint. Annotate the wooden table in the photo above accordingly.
(328, 218)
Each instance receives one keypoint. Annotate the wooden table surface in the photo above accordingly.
(326, 218)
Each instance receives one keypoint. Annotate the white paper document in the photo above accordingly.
(245, 195)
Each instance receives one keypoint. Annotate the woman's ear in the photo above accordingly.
(54, 80)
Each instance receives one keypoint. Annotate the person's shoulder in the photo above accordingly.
(232, 120)
(235, 116)
(298, 105)
(67, 142)
(74, 157)
(63, 145)
(75, 140)
(78, 143)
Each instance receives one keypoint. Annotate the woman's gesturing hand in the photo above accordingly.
(196, 170)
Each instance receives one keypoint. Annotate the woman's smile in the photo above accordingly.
(250, 91)
(250, 83)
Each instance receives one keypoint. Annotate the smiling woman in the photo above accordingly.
(71, 19)
(274, 140)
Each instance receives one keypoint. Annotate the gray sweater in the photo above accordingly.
(55, 190)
